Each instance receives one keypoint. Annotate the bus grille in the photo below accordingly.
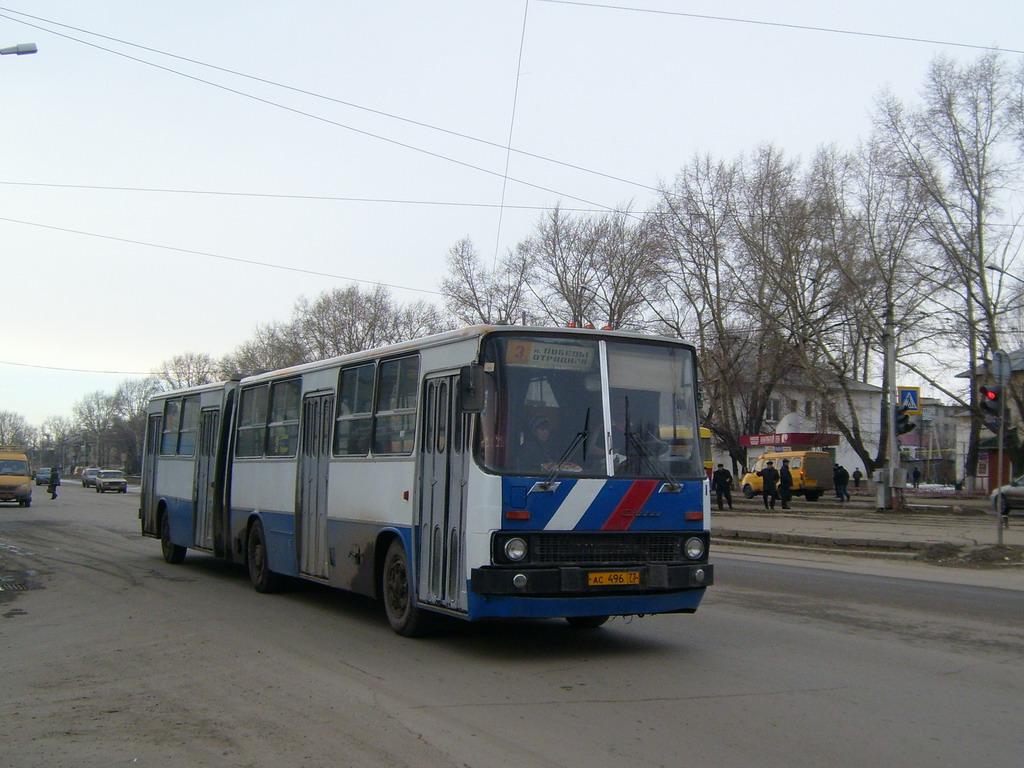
(607, 548)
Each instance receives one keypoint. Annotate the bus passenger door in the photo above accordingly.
(314, 462)
(151, 452)
(206, 456)
(442, 493)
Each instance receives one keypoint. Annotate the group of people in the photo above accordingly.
(777, 484)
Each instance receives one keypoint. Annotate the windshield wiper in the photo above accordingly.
(653, 467)
(581, 437)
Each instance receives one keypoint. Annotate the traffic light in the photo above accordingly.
(991, 396)
(903, 423)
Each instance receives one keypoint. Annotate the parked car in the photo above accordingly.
(1009, 499)
(43, 476)
(89, 476)
(110, 480)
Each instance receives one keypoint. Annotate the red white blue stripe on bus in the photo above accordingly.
(581, 504)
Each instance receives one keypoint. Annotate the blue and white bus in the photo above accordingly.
(492, 471)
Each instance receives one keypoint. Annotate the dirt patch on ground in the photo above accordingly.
(986, 556)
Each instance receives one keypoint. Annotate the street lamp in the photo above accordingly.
(19, 50)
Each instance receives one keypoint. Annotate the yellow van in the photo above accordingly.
(812, 473)
(15, 475)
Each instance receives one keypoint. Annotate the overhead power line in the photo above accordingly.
(313, 94)
(209, 255)
(76, 370)
(282, 196)
(781, 25)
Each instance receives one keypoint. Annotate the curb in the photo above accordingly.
(726, 535)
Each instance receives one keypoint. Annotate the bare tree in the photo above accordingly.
(94, 414)
(627, 266)
(565, 271)
(953, 148)
(272, 346)
(697, 297)
(474, 294)
(128, 422)
(15, 429)
(188, 370)
(348, 320)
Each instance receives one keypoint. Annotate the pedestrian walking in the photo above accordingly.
(916, 475)
(769, 484)
(842, 479)
(857, 475)
(785, 484)
(721, 481)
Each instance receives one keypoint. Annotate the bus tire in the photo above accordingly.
(173, 553)
(586, 622)
(403, 614)
(263, 579)
(813, 496)
(748, 492)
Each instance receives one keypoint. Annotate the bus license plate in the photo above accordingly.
(613, 578)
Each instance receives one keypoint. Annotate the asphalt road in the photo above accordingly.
(112, 657)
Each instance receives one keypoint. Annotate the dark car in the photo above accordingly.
(43, 476)
(89, 476)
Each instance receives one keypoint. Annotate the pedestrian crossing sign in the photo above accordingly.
(909, 398)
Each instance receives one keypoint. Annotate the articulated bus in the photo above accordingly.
(489, 472)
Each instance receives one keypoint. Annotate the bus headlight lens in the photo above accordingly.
(515, 550)
(694, 548)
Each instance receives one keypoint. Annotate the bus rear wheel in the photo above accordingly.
(173, 553)
(399, 602)
(586, 622)
(263, 579)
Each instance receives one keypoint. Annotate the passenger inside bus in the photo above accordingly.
(537, 452)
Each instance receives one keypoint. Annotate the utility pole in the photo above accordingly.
(885, 498)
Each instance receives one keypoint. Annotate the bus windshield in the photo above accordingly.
(574, 406)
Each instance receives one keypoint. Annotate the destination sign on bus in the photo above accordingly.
(566, 357)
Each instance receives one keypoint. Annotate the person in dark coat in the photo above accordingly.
(537, 452)
(54, 482)
(785, 484)
(857, 475)
(769, 481)
(842, 480)
(721, 481)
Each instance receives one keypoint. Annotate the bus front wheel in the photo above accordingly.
(399, 602)
(586, 622)
(262, 578)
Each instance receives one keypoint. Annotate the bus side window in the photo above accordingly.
(283, 427)
(252, 422)
(394, 429)
(355, 403)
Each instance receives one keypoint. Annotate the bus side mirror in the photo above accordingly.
(471, 388)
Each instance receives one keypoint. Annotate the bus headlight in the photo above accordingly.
(694, 548)
(515, 549)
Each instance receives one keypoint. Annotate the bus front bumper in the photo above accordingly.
(591, 580)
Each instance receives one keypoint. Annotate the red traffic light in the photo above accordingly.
(990, 393)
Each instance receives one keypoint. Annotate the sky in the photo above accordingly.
(174, 174)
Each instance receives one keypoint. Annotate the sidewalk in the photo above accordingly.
(932, 528)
